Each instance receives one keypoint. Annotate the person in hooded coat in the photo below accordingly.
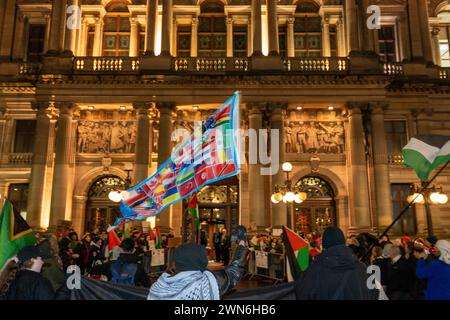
(336, 274)
(190, 279)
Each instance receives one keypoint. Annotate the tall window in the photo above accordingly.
(90, 41)
(406, 224)
(240, 41)
(24, 137)
(308, 31)
(386, 43)
(18, 195)
(444, 46)
(333, 40)
(212, 31)
(36, 40)
(396, 135)
(184, 41)
(116, 37)
(141, 39)
(282, 40)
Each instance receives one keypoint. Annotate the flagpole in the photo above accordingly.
(405, 209)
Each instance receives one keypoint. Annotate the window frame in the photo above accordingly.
(117, 33)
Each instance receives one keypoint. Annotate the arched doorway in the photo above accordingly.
(100, 211)
(318, 211)
(218, 206)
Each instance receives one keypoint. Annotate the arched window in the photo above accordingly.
(307, 31)
(212, 37)
(116, 31)
(104, 185)
(315, 187)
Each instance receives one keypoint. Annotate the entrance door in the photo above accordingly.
(318, 211)
(100, 211)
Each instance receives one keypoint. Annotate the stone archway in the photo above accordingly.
(339, 190)
(80, 195)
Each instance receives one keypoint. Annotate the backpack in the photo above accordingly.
(123, 273)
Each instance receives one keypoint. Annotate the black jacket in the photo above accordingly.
(385, 265)
(401, 280)
(336, 274)
(30, 285)
(140, 279)
(228, 278)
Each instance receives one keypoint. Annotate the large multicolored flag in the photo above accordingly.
(297, 251)
(15, 233)
(424, 153)
(203, 158)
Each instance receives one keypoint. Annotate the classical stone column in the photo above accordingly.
(249, 38)
(290, 37)
(425, 30)
(2, 15)
(134, 37)
(19, 37)
(359, 208)
(274, 47)
(142, 142)
(257, 28)
(255, 179)
(48, 18)
(435, 41)
(83, 34)
(38, 166)
(6, 33)
(340, 33)
(367, 35)
(61, 174)
(152, 13)
(70, 34)
(174, 37)
(352, 25)
(414, 31)
(98, 37)
(194, 37)
(167, 20)
(381, 168)
(165, 149)
(229, 37)
(79, 213)
(279, 216)
(326, 46)
(56, 43)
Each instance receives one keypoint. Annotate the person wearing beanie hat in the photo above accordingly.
(29, 283)
(191, 280)
(336, 274)
(436, 272)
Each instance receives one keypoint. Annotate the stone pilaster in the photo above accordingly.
(38, 166)
(425, 30)
(194, 37)
(360, 208)
(19, 36)
(351, 21)
(98, 37)
(257, 27)
(326, 45)
(167, 21)
(381, 168)
(435, 45)
(290, 37)
(229, 37)
(71, 33)
(134, 37)
(274, 47)
(61, 195)
(7, 34)
(152, 13)
(255, 179)
(56, 43)
(142, 142)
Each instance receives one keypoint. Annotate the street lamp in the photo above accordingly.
(117, 195)
(287, 194)
(428, 195)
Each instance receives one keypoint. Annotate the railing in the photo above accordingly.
(20, 158)
(106, 64)
(333, 64)
(395, 159)
(393, 69)
(267, 265)
(211, 64)
(28, 68)
(444, 73)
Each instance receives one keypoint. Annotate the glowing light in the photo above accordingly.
(152, 221)
(158, 37)
(90, 108)
(274, 199)
(330, 108)
(438, 198)
(287, 167)
(264, 33)
(297, 198)
(290, 196)
(299, 108)
(114, 196)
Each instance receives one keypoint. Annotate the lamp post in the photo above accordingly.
(429, 195)
(287, 193)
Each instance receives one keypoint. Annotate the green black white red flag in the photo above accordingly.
(424, 153)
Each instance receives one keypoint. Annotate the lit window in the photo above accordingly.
(116, 36)
(444, 46)
(386, 44)
(308, 31)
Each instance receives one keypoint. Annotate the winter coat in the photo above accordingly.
(94, 255)
(401, 280)
(437, 274)
(336, 274)
(30, 285)
(140, 278)
(384, 264)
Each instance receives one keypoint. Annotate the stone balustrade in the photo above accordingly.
(316, 65)
(393, 69)
(106, 64)
(20, 158)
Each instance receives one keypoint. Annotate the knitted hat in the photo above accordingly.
(28, 253)
(190, 257)
(332, 236)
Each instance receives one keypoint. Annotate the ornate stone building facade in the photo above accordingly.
(87, 87)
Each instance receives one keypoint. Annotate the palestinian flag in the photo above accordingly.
(113, 240)
(297, 250)
(193, 209)
(15, 233)
(158, 240)
(424, 153)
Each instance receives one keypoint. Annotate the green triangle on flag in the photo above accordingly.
(299, 247)
(15, 233)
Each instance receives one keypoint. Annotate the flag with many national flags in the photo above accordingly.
(208, 155)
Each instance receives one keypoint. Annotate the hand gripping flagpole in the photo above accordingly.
(424, 186)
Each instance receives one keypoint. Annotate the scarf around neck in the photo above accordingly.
(186, 285)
